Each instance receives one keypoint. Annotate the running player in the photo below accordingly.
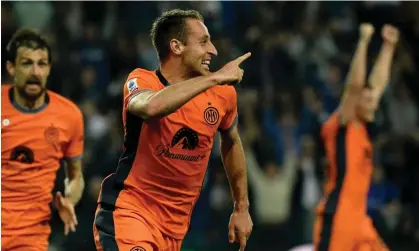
(39, 128)
(342, 223)
(171, 116)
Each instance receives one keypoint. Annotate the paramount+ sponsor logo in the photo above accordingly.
(181, 147)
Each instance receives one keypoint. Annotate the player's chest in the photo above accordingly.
(38, 132)
(202, 115)
(361, 147)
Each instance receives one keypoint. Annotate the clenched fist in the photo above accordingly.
(390, 34)
(366, 31)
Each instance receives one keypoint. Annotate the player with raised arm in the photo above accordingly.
(342, 223)
(171, 116)
(39, 128)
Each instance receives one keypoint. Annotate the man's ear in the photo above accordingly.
(10, 67)
(176, 46)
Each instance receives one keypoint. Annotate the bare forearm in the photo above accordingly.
(355, 80)
(380, 73)
(74, 189)
(74, 172)
(74, 183)
(174, 96)
(235, 165)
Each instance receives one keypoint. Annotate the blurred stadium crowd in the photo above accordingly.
(293, 81)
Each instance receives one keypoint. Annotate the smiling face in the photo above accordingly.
(30, 72)
(198, 49)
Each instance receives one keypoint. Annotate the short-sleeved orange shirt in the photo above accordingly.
(162, 168)
(32, 146)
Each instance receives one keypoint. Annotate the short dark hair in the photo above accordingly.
(171, 24)
(26, 38)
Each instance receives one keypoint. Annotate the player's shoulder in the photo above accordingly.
(223, 89)
(5, 89)
(333, 119)
(63, 104)
(224, 92)
(330, 125)
(142, 74)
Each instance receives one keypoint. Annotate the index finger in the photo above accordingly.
(66, 229)
(243, 241)
(240, 59)
(74, 218)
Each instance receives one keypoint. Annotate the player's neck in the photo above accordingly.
(26, 104)
(358, 122)
(173, 72)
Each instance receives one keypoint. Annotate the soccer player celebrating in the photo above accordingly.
(39, 128)
(171, 116)
(342, 223)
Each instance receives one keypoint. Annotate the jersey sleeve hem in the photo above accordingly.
(235, 121)
(139, 92)
(75, 158)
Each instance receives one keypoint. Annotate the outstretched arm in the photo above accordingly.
(149, 104)
(355, 80)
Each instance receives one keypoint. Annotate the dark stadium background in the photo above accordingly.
(300, 55)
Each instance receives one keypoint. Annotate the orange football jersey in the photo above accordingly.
(342, 222)
(33, 142)
(162, 168)
(349, 153)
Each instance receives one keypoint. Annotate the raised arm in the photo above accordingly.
(355, 80)
(380, 74)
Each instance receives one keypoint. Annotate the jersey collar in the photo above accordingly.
(23, 109)
(162, 79)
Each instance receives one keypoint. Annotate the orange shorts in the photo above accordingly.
(123, 229)
(35, 242)
(346, 233)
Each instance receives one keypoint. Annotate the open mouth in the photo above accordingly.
(33, 85)
(33, 82)
(206, 63)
